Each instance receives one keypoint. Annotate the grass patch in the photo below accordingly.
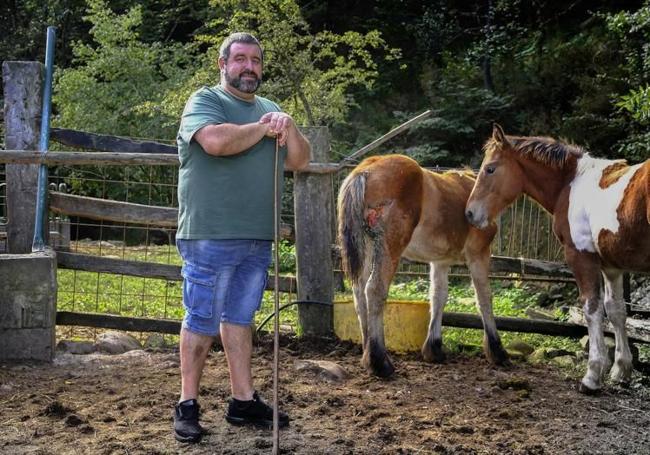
(508, 299)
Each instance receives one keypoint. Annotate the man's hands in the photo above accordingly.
(278, 125)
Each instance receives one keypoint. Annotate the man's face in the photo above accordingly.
(243, 69)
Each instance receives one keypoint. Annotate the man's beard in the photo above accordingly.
(244, 85)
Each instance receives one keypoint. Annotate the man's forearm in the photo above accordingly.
(298, 150)
(229, 139)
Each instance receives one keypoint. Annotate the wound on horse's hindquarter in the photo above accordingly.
(374, 218)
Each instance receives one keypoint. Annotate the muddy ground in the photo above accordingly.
(100, 404)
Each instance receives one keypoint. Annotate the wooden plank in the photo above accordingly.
(508, 324)
(314, 221)
(521, 266)
(124, 212)
(322, 168)
(23, 82)
(104, 209)
(462, 320)
(108, 321)
(637, 329)
(106, 143)
(90, 263)
(87, 158)
(529, 267)
(75, 158)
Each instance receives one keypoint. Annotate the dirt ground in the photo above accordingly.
(100, 404)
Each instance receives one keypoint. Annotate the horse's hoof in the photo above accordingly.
(621, 376)
(434, 357)
(585, 390)
(498, 357)
(433, 352)
(494, 351)
(383, 369)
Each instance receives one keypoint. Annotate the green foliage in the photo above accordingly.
(637, 103)
(25, 23)
(115, 79)
(112, 88)
(632, 31)
(635, 147)
(463, 112)
(308, 74)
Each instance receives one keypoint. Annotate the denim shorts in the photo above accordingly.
(223, 281)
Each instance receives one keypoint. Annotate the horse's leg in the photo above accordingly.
(438, 292)
(586, 270)
(360, 303)
(479, 267)
(375, 357)
(477, 255)
(615, 309)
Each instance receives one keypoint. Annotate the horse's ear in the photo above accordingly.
(498, 134)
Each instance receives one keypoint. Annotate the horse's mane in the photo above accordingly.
(545, 150)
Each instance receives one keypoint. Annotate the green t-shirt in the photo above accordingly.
(225, 197)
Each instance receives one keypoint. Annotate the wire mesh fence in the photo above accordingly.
(524, 231)
(81, 291)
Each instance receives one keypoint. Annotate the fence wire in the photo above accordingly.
(524, 231)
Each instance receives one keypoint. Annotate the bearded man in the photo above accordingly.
(226, 146)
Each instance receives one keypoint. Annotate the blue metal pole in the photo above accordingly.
(39, 224)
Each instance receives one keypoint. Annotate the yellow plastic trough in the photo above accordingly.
(406, 323)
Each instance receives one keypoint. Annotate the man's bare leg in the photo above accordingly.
(194, 350)
(238, 344)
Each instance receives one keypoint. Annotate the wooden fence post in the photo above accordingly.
(314, 221)
(23, 93)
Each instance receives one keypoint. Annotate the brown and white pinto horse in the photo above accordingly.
(390, 207)
(601, 215)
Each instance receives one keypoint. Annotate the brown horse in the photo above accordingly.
(390, 207)
(601, 215)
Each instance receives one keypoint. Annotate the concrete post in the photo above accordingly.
(28, 306)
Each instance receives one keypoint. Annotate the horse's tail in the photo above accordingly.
(351, 229)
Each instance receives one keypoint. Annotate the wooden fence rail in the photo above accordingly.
(106, 143)
(90, 263)
(105, 209)
(123, 212)
(449, 319)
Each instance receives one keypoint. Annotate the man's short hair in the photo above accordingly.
(238, 37)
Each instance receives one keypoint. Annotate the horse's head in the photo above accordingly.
(499, 181)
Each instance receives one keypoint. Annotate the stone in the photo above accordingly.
(116, 343)
(155, 341)
(324, 369)
(75, 347)
(538, 313)
(564, 361)
(520, 346)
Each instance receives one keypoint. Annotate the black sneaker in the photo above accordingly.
(186, 422)
(255, 412)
